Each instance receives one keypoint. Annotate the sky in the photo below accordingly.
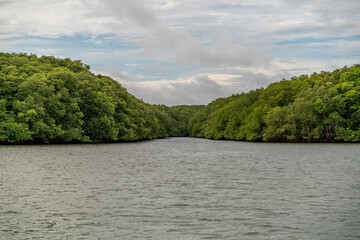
(188, 52)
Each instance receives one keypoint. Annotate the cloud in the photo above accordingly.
(201, 88)
(215, 47)
(191, 90)
(133, 12)
(51, 18)
(120, 76)
(195, 90)
(157, 68)
(248, 21)
(185, 48)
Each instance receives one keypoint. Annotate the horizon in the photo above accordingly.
(171, 53)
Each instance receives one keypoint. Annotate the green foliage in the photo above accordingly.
(322, 107)
(14, 132)
(48, 99)
(179, 118)
(11, 131)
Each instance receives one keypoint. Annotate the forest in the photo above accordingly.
(323, 107)
(52, 100)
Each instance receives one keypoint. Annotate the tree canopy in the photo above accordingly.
(323, 107)
(47, 99)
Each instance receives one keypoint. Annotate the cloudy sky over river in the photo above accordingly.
(188, 52)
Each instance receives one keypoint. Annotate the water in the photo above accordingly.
(180, 188)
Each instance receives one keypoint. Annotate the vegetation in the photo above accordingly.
(179, 118)
(58, 100)
(322, 107)
(46, 100)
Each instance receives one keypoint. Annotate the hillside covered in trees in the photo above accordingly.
(49, 100)
(324, 107)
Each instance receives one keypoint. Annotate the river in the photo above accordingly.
(180, 188)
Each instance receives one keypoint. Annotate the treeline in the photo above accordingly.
(179, 118)
(46, 99)
(323, 107)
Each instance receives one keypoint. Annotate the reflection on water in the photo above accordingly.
(180, 188)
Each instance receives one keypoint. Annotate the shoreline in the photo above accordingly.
(99, 141)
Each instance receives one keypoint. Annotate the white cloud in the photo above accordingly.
(51, 18)
(227, 42)
(248, 21)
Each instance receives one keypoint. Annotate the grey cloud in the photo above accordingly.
(251, 81)
(118, 75)
(157, 68)
(200, 90)
(183, 47)
(227, 53)
(133, 11)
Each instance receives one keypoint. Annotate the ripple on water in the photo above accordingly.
(180, 188)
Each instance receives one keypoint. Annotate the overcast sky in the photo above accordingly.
(188, 52)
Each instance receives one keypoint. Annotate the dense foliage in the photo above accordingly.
(46, 99)
(58, 100)
(179, 118)
(322, 107)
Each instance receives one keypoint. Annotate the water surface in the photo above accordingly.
(180, 188)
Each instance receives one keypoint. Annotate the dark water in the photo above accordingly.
(180, 188)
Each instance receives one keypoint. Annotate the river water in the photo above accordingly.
(180, 188)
